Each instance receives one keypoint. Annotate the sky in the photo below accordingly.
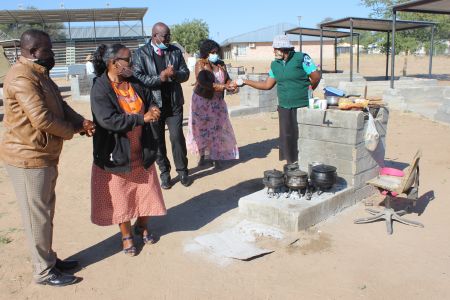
(224, 18)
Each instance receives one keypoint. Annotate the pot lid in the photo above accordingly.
(324, 169)
(296, 173)
(273, 173)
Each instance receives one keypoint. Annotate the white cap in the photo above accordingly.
(281, 42)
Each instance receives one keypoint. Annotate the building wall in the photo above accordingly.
(264, 51)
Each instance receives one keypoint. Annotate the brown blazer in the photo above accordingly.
(37, 119)
(204, 64)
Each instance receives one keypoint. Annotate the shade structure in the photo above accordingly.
(334, 34)
(74, 15)
(380, 25)
(423, 6)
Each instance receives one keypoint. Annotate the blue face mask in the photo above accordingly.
(213, 57)
(161, 45)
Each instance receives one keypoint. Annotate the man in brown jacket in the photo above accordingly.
(36, 122)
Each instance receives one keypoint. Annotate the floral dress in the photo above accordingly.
(209, 128)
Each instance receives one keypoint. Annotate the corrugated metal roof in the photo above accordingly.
(87, 32)
(425, 6)
(382, 25)
(72, 15)
(264, 35)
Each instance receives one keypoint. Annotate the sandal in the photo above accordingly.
(130, 251)
(149, 238)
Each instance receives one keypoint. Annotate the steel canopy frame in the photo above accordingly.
(74, 15)
(301, 31)
(380, 25)
(423, 6)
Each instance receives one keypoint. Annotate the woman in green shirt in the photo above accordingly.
(294, 72)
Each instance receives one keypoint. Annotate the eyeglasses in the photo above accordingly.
(164, 36)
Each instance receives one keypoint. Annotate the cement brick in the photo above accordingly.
(360, 179)
(331, 134)
(295, 214)
(332, 150)
(343, 166)
(331, 118)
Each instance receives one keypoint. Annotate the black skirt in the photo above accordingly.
(287, 118)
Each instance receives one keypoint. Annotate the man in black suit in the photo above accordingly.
(160, 66)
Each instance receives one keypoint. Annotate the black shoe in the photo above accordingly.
(166, 183)
(185, 180)
(65, 265)
(57, 278)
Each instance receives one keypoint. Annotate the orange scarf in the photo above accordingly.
(128, 99)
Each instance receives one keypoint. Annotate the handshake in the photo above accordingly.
(234, 85)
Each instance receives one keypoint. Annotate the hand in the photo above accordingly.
(231, 87)
(239, 82)
(152, 115)
(170, 71)
(88, 127)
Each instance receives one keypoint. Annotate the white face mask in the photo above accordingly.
(213, 57)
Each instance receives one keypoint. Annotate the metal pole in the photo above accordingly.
(335, 55)
(394, 18)
(357, 56)
(431, 50)
(321, 50)
(120, 34)
(95, 29)
(351, 50)
(301, 40)
(387, 57)
(142, 28)
(70, 32)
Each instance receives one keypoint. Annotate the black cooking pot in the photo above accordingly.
(290, 167)
(323, 176)
(296, 179)
(273, 179)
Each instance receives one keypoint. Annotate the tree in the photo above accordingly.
(14, 31)
(189, 34)
(411, 40)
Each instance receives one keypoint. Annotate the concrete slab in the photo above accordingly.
(298, 214)
(241, 110)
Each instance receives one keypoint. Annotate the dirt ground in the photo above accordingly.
(333, 260)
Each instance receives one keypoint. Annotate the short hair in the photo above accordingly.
(103, 55)
(32, 38)
(207, 46)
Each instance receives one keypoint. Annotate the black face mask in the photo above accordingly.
(125, 72)
(48, 63)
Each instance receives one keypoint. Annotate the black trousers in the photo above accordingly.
(174, 123)
(287, 118)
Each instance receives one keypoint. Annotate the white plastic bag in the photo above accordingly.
(371, 137)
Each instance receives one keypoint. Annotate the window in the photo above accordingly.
(241, 50)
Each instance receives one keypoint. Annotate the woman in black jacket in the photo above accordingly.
(124, 182)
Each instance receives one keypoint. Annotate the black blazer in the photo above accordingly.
(145, 71)
(111, 145)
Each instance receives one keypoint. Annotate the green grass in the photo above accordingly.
(5, 240)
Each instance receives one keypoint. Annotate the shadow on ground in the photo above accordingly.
(190, 215)
(246, 153)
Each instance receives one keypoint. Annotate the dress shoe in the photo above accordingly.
(65, 265)
(166, 183)
(185, 180)
(57, 278)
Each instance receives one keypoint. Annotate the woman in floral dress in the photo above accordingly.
(210, 134)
